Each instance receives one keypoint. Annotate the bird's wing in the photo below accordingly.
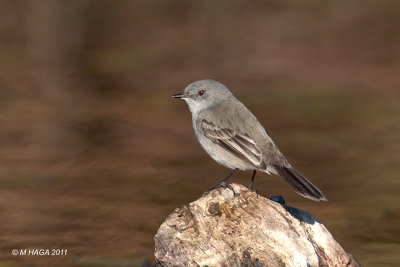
(240, 144)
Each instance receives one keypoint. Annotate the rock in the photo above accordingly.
(247, 230)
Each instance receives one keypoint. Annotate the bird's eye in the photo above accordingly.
(201, 92)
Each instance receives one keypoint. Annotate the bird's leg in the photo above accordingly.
(250, 186)
(224, 184)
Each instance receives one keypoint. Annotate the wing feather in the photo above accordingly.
(241, 145)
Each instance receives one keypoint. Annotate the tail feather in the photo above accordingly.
(299, 183)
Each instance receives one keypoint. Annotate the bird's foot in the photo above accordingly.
(252, 189)
(224, 185)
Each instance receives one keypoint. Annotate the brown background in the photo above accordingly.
(94, 153)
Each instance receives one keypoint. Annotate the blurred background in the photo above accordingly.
(94, 152)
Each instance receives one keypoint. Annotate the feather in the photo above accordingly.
(299, 183)
(241, 145)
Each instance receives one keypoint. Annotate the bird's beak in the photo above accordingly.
(180, 95)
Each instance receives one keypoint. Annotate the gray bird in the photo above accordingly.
(234, 138)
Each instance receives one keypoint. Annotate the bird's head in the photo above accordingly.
(204, 94)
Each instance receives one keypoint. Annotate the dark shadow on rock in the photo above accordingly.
(300, 215)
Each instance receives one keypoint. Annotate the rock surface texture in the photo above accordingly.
(247, 230)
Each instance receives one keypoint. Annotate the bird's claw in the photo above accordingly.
(252, 189)
(224, 185)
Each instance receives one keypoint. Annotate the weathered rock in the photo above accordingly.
(248, 230)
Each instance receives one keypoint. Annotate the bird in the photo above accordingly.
(231, 135)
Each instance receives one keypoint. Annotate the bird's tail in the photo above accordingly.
(299, 183)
